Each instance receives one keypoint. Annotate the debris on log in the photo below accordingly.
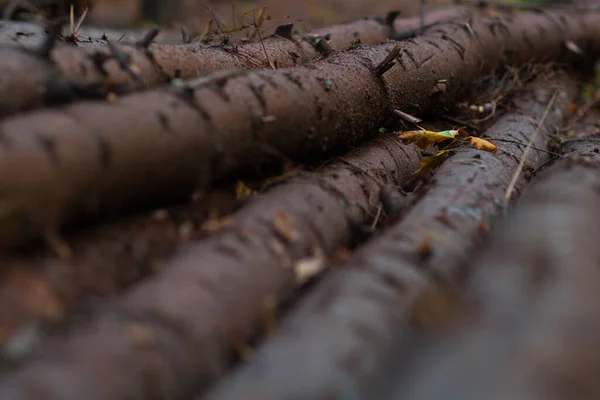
(533, 326)
(338, 340)
(94, 157)
(174, 334)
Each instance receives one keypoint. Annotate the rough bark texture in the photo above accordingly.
(534, 329)
(94, 157)
(41, 293)
(175, 333)
(90, 71)
(335, 344)
(73, 71)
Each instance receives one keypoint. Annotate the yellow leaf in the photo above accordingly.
(430, 163)
(424, 138)
(482, 144)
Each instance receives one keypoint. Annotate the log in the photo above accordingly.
(533, 326)
(342, 335)
(175, 334)
(43, 293)
(94, 157)
(94, 69)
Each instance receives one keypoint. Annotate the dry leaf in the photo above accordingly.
(430, 163)
(482, 144)
(423, 139)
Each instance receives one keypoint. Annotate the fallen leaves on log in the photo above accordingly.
(534, 327)
(338, 340)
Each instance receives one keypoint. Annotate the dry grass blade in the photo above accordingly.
(517, 174)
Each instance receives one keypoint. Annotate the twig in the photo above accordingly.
(207, 31)
(377, 216)
(387, 62)
(494, 104)
(270, 63)
(407, 117)
(75, 27)
(585, 139)
(517, 173)
(523, 144)
(219, 21)
(257, 23)
(148, 38)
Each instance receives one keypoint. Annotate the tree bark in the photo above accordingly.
(339, 340)
(533, 328)
(95, 157)
(176, 333)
